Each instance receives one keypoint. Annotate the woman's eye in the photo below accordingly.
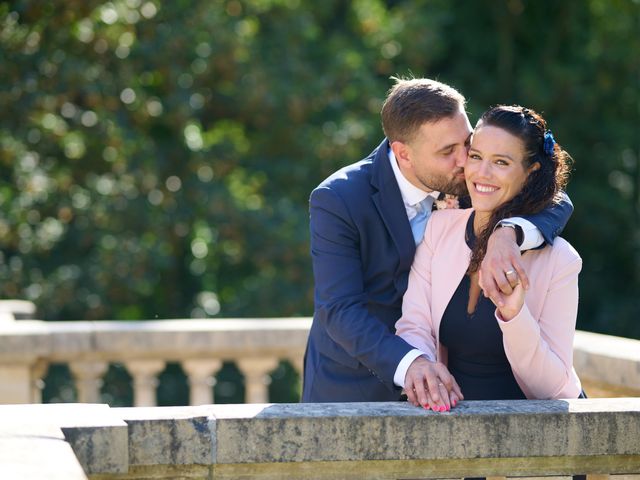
(474, 156)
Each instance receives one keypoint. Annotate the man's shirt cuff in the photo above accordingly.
(532, 237)
(403, 366)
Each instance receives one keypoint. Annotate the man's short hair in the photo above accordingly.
(412, 102)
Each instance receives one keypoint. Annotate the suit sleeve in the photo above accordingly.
(551, 221)
(340, 296)
(416, 323)
(540, 351)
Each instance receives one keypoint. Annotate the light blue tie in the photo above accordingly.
(419, 222)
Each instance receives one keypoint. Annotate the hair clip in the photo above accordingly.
(549, 143)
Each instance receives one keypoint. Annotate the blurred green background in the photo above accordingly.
(156, 157)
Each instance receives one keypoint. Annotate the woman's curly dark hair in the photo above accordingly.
(543, 186)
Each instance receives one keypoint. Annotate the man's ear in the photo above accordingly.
(402, 154)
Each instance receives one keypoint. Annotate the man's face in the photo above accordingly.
(434, 160)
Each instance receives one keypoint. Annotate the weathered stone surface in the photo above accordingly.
(230, 338)
(34, 457)
(609, 359)
(98, 438)
(26, 340)
(327, 441)
(399, 431)
(23, 341)
(17, 309)
(168, 436)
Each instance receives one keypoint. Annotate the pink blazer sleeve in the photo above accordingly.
(416, 324)
(539, 345)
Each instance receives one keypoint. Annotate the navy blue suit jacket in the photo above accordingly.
(362, 249)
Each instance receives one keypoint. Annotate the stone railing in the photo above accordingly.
(256, 346)
(353, 441)
(609, 366)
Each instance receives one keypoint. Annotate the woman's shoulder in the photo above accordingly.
(445, 223)
(444, 219)
(561, 256)
(564, 249)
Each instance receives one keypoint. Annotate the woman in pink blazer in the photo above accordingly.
(522, 347)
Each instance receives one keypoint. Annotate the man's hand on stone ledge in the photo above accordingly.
(430, 385)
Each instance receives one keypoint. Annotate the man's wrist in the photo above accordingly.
(405, 363)
(516, 228)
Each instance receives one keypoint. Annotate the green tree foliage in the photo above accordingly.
(156, 157)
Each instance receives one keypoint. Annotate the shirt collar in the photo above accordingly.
(411, 195)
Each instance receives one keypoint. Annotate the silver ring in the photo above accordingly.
(441, 384)
(509, 272)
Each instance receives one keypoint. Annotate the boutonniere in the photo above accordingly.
(447, 201)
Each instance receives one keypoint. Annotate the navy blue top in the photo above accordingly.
(476, 353)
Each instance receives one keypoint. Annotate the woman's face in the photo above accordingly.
(494, 171)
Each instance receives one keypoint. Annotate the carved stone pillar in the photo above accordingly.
(15, 380)
(38, 371)
(298, 364)
(255, 371)
(88, 378)
(201, 375)
(145, 380)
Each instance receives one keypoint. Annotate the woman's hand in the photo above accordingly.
(512, 303)
(501, 267)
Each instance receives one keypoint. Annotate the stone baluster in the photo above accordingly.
(297, 363)
(256, 371)
(38, 372)
(15, 382)
(88, 378)
(201, 375)
(145, 380)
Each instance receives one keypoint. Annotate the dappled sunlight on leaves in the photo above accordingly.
(157, 157)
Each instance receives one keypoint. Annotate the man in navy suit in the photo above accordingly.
(366, 220)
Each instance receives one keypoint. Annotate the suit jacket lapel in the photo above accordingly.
(388, 201)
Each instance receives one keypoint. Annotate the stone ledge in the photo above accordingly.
(608, 359)
(169, 436)
(23, 341)
(97, 437)
(399, 431)
(36, 457)
(327, 441)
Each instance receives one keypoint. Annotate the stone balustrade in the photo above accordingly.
(144, 348)
(493, 439)
(609, 366)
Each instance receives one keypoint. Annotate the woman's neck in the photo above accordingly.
(480, 221)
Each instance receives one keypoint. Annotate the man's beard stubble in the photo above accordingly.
(457, 186)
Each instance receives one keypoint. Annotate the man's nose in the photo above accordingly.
(461, 158)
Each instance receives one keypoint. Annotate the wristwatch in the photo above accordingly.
(517, 228)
